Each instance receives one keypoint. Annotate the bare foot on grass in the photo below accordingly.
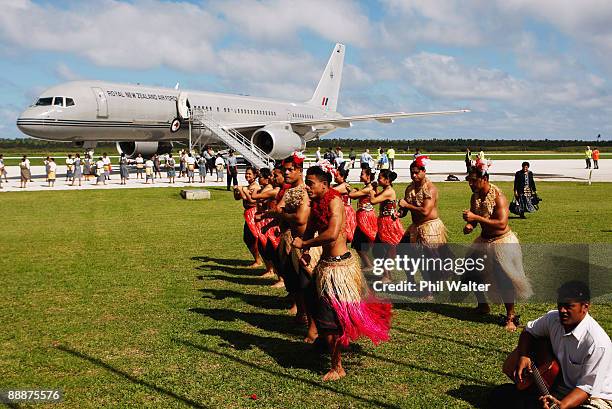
(334, 375)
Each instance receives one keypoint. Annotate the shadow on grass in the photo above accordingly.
(270, 302)
(267, 322)
(425, 369)
(230, 262)
(464, 343)
(238, 271)
(475, 395)
(452, 311)
(129, 377)
(286, 353)
(239, 280)
(327, 387)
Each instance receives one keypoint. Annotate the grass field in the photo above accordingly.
(137, 298)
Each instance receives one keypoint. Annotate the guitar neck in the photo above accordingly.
(540, 384)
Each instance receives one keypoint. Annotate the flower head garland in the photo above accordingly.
(298, 157)
(327, 167)
(483, 165)
(422, 161)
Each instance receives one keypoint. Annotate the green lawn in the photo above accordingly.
(137, 298)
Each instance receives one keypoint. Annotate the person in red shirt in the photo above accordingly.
(596, 158)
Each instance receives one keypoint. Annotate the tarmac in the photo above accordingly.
(555, 170)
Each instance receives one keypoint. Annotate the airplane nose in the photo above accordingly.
(29, 123)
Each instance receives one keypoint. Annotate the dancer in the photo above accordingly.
(342, 186)
(250, 233)
(267, 241)
(344, 310)
(367, 222)
(497, 245)
(390, 229)
(421, 200)
(293, 211)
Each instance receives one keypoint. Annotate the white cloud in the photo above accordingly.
(141, 34)
(278, 21)
(449, 22)
(442, 76)
(65, 73)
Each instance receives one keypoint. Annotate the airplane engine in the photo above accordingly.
(278, 140)
(146, 149)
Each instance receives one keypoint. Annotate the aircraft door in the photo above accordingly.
(182, 105)
(102, 102)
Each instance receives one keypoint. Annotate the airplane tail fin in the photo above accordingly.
(326, 94)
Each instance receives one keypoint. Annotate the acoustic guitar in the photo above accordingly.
(541, 378)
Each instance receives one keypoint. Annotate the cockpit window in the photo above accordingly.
(44, 101)
(59, 101)
(69, 102)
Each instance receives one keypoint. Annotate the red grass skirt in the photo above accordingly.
(389, 230)
(350, 222)
(368, 223)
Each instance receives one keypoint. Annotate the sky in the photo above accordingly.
(527, 69)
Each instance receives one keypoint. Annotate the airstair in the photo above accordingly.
(201, 121)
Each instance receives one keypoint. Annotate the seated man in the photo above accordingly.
(581, 347)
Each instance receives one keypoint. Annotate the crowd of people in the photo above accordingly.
(307, 233)
(79, 170)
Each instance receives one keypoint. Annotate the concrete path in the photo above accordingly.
(557, 170)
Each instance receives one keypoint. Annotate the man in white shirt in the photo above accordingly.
(139, 166)
(107, 166)
(69, 168)
(318, 155)
(100, 171)
(366, 160)
(149, 173)
(190, 162)
(579, 344)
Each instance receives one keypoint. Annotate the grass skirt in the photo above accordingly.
(390, 230)
(350, 222)
(368, 223)
(429, 232)
(359, 313)
(503, 268)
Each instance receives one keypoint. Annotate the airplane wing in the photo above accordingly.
(345, 121)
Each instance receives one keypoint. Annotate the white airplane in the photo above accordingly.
(146, 120)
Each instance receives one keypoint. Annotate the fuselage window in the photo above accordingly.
(69, 102)
(59, 101)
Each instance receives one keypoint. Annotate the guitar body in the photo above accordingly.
(548, 371)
